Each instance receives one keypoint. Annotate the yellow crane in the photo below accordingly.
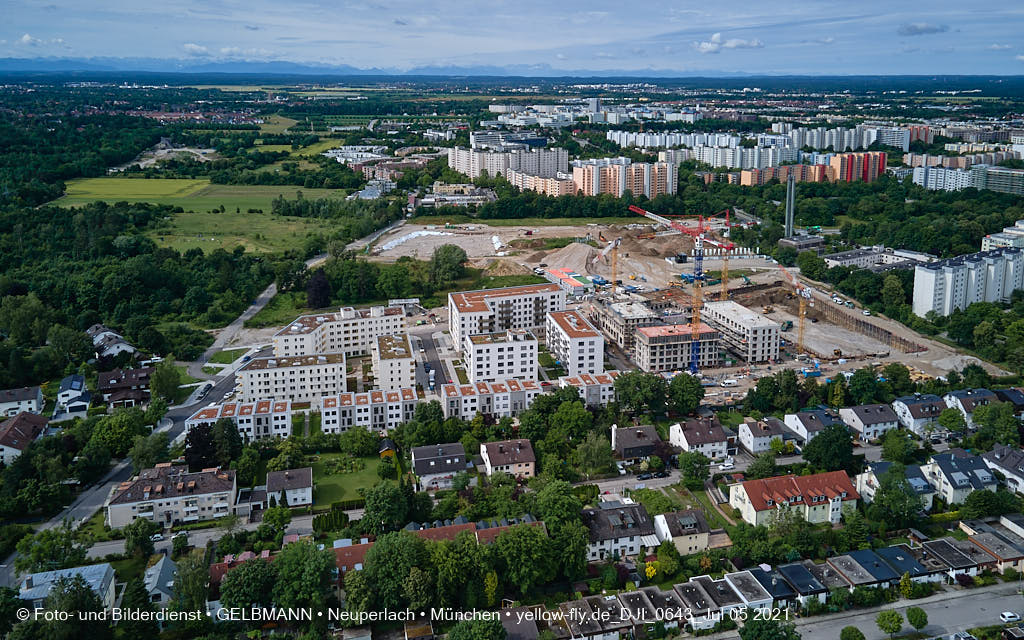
(613, 249)
(803, 294)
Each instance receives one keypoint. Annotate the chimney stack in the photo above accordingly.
(790, 204)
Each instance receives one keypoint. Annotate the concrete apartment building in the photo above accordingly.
(299, 379)
(854, 167)
(595, 390)
(170, 495)
(617, 175)
(668, 347)
(505, 398)
(620, 320)
(546, 163)
(514, 457)
(254, 420)
(14, 401)
(1008, 237)
(800, 173)
(942, 178)
(817, 498)
(574, 342)
(956, 283)
(378, 411)
(349, 331)
(560, 185)
(394, 365)
(510, 354)
(1001, 179)
(752, 336)
(492, 310)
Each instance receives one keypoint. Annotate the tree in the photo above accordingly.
(385, 507)
(898, 446)
(49, 549)
(668, 558)
(76, 597)
(685, 393)
(895, 503)
(148, 450)
(917, 618)
(763, 466)
(831, 449)
(136, 598)
(303, 576)
(71, 346)
(525, 555)
(889, 622)
(695, 468)
(864, 385)
(447, 265)
(358, 595)
(892, 292)
(278, 517)
(118, 430)
(247, 466)
(165, 380)
(906, 585)
(386, 470)
(637, 392)
(594, 453)
(489, 628)
(851, 633)
(952, 420)
(997, 423)
(289, 456)
(388, 564)
(200, 450)
(359, 442)
(249, 585)
(227, 441)
(763, 629)
(418, 589)
(190, 581)
(318, 290)
(138, 537)
(984, 504)
(9, 605)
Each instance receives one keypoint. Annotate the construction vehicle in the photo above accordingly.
(613, 249)
(837, 353)
(632, 276)
(528, 232)
(768, 309)
(787, 325)
(746, 280)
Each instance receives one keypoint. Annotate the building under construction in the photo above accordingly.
(750, 335)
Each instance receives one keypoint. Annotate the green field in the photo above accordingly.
(342, 486)
(227, 356)
(276, 124)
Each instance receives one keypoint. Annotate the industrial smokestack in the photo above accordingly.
(790, 204)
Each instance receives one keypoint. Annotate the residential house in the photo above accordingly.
(998, 540)
(703, 435)
(783, 595)
(697, 602)
(159, 581)
(920, 412)
(804, 584)
(349, 556)
(870, 421)
(125, 387)
(817, 498)
(35, 587)
(955, 474)
(756, 435)
(857, 574)
(688, 530)
(169, 495)
(722, 595)
(1014, 396)
(514, 457)
(107, 342)
(959, 556)
(903, 561)
(291, 488)
(437, 465)
(595, 390)
(633, 444)
(827, 575)
(967, 400)
(618, 530)
(749, 589)
(869, 481)
(1008, 461)
(254, 420)
(668, 603)
(17, 432)
(807, 424)
(72, 395)
(14, 401)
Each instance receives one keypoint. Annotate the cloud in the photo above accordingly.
(1020, 58)
(251, 27)
(401, 23)
(31, 41)
(238, 52)
(604, 54)
(193, 49)
(716, 44)
(999, 47)
(561, 56)
(921, 28)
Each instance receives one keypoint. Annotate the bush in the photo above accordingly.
(1010, 574)
(964, 580)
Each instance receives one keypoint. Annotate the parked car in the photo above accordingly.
(1009, 616)
(661, 474)
(726, 465)
(866, 312)
(157, 537)
(645, 476)
(246, 358)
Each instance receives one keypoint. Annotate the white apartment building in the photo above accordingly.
(595, 390)
(560, 185)
(170, 495)
(298, 379)
(942, 179)
(502, 399)
(669, 347)
(349, 331)
(618, 175)
(394, 366)
(254, 420)
(620, 320)
(574, 342)
(546, 163)
(510, 354)
(374, 410)
(492, 310)
(1009, 237)
(956, 283)
(754, 337)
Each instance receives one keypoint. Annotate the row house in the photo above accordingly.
(500, 399)
(254, 420)
(817, 498)
(373, 410)
(596, 390)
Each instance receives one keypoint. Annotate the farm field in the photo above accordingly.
(276, 124)
(258, 232)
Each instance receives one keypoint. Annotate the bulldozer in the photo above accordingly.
(768, 309)
(837, 353)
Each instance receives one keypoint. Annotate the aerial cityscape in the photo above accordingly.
(527, 322)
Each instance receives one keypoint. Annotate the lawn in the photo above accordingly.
(125, 570)
(212, 370)
(276, 124)
(257, 232)
(342, 486)
(227, 356)
(715, 519)
(183, 375)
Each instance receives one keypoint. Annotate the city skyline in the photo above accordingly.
(873, 38)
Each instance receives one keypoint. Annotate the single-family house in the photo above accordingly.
(903, 561)
(783, 595)
(920, 412)
(107, 342)
(159, 581)
(125, 387)
(756, 435)
(514, 457)
(870, 479)
(436, 465)
(806, 586)
(1008, 461)
(618, 530)
(634, 444)
(703, 435)
(291, 487)
(17, 432)
(955, 474)
(807, 424)
(817, 498)
(14, 401)
(753, 595)
(36, 587)
(688, 530)
(967, 400)
(1014, 396)
(870, 421)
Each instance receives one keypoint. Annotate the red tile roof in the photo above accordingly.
(782, 488)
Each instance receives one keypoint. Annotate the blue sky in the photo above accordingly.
(779, 36)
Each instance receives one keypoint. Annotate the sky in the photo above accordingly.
(816, 37)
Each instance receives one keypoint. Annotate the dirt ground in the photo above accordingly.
(475, 240)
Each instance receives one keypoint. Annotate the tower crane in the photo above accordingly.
(612, 248)
(726, 246)
(803, 294)
(698, 235)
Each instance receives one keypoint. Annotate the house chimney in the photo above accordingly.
(28, 582)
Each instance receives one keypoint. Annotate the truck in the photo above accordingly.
(787, 325)
(811, 373)
(598, 280)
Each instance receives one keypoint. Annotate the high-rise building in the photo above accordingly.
(349, 331)
(956, 283)
(546, 163)
(754, 337)
(492, 310)
(939, 179)
(575, 342)
(669, 347)
(1001, 179)
(560, 185)
(618, 175)
(504, 355)
(854, 167)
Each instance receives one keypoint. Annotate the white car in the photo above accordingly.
(157, 537)
(867, 313)
(1009, 616)
(726, 465)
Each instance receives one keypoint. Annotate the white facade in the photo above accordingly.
(918, 413)
(254, 420)
(291, 488)
(492, 310)
(705, 437)
(956, 283)
(546, 163)
(870, 421)
(374, 410)
(349, 331)
(942, 179)
(169, 495)
(394, 366)
(595, 390)
(14, 401)
(574, 342)
(756, 435)
(751, 335)
(511, 354)
(501, 399)
(297, 379)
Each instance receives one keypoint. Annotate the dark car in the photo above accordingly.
(661, 474)
(246, 358)
(645, 476)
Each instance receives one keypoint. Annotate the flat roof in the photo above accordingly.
(632, 310)
(826, 574)
(739, 314)
(573, 324)
(721, 591)
(773, 583)
(797, 575)
(684, 331)
(293, 361)
(851, 570)
(394, 347)
(874, 564)
(307, 324)
(998, 545)
(477, 300)
(945, 551)
(747, 586)
(902, 560)
(502, 337)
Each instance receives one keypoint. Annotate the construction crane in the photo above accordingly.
(803, 294)
(698, 275)
(726, 246)
(612, 248)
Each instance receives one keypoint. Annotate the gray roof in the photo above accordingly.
(688, 522)
(721, 591)
(945, 550)
(816, 419)
(289, 479)
(631, 438)
(801, 579)
(874, 564)
(520, 624)
(73, 382)
(874, 413)
(851, 570)
(971, 398)
(923, 405)
(918, 482)
(703, 431)
(160, 577)
(97, 576)
(166, 481)
(19, 395)
(964, 471)
(902, 560)
(439, 458)
(624, 521)
(774, 583)
(1009, 459)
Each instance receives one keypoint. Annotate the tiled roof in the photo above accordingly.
(18, 431)
(289, 479)
(166, 481)
(768, 493)
(874, 413)
(703, 431)
(609, 524)
(510, 452)
(19, 395)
